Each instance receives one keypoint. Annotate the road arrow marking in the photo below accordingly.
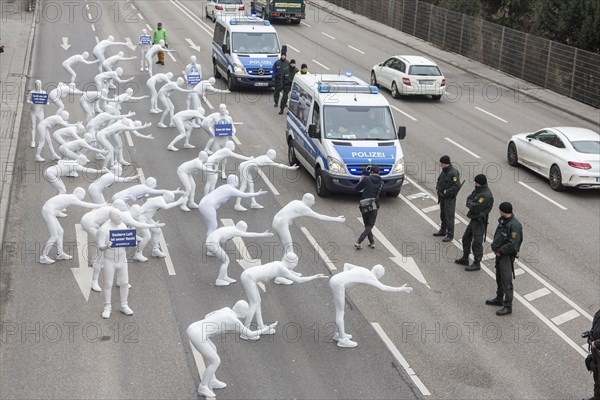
(192, 45)
(244, 262)
(83, 274)
(130, 44)
(406, 263)
(65, 43)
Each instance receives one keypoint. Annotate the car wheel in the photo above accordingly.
(216, 72)
(395, 193)
(374, 79)
(322, 190)
(395, 91)
(230, 83)
(436, 97)
(292, 160)
(511, 155)
(556, 179)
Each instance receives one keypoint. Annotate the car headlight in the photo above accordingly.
(239, 69)
(335, 165)
(398, 167)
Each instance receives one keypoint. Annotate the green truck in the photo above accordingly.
(291, 10)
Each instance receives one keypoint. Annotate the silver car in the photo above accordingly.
(567, 156)
(408, 76)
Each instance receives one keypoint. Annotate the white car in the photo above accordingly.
(410, 75)
(222, 8)
(566, 156)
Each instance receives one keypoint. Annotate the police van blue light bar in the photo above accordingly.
(374, 89)
(349, 74)
(324, 88)
(249, 21)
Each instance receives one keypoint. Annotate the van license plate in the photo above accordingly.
(261, 83)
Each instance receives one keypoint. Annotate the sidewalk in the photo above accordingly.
(17, 37)
(497, 77)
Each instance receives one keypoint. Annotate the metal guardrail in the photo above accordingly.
(564, 69)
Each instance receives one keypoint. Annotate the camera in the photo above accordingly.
(586, 334)
(367, 171)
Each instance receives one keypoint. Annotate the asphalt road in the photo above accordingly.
(55, 345)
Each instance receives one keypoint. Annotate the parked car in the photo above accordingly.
(567, 156)
(410, 75)
(221, 8)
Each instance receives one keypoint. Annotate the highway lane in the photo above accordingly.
(411, 229)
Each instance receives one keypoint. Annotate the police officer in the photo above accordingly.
(594, 341)
(506, 244)
(278, 71)
(371, 184)
(288, 78)
(479, 203)
(447, 187)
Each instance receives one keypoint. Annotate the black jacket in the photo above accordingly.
(596, 329)
(371, 186)
(508, 236)
(278, 70)
(288, 77)
(480, 203)
(449, 181)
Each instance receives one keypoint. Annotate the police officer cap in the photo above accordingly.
(159, 24)
(292, 61)
(445, 160)
(506, 207)
(283, 53)
(303, 66)
(481, 179)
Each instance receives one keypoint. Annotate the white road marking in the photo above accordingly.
(244, 262)
(462, 147)
(83, 274)
(168, 260)
(491, 115)
(557, 204)
(402, 112)
(89, 16)
(519, 271)
(141, 174)
(489, 256)
(171, 55)
(149, 28)
(97, 40)
(537, 294)
(195, 19)
(87, 7)
(199, 363)
(329, 36)
(330, 266)
(236, 140)
(293, 48)
(192, 44)
(585, 346)
(430, 209)
(565, 317)
(305, 24)
(128, 137)
(416, 196)
(400, 358)
(93, 28)
(268, 182)
(355, 49)
(140, 16)
(318, 63)
(209, 105)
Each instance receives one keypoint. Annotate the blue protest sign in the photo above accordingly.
(122, 238)
(145, 39)
(193, 79)
(39, 98)
(223, 128)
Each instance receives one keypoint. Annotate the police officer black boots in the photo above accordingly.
(464, 260)
(504, 311)
(441, 232)
(473, 267)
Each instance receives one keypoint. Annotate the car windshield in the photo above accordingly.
(424, 70)
(255, 42)
(587, 146)
(358, 123)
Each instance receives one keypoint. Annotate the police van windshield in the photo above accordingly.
(255, 42)
(358, 123)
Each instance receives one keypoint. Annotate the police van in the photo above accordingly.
(244, 50)
(337, 126)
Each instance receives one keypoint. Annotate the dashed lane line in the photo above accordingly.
(543, 196)
(491, 115)
(355, 49)
(462, 148)
(565, 317)
(403, 113)
(318, 63)
(330, 266)
(293, 48)
(537, 294)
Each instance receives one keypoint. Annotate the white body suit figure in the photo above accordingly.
(220, 236)
(224, 320)
(152, 51)
(70, 62)
(68, 133)
(110, 62)
(54, 173)
(126, 97)
(137, 192)
(118, 141)
(43, 129)
(185, 171)
(193, 73)
(151, 84)
(200, 91)
(164, 95)
(354, 275)
(104, 80)
(214, 200)
(107, 180)
(90, 102)
(145, 43)
(37, 110)
(185, 121)
(220, 117)
(72, 149)
(60, 92)
(215, 159)
(50, 210)
(101, 47)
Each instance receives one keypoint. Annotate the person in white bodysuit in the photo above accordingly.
(185, 171)
(152, 51)
(145, 43)
(107, 180)
(215, 159)
(54, 173)
(101, 47)
(37, 110)
(184, 122)
(70, 62)
(43, 129)
(151, 84)
(164, 96)
(109, 63)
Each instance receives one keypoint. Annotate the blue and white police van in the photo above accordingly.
(337, 126)
(244, 50)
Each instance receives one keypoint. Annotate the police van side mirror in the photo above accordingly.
(225, 48)
(401, 132)
(312, 131)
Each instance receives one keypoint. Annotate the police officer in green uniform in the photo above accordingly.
(447, 187)
(506, 244)
(479, 203)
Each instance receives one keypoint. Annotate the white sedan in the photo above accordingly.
(567, 156)
(224, 8)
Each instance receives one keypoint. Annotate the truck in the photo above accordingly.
(290, 10)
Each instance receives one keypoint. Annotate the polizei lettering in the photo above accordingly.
(368, 154)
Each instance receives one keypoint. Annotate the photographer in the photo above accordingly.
(593, 365)
(371, 184)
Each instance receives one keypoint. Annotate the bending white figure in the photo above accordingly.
(102, 119)
(54, 173)
(137, 192)
(152, 51)
(149, 209)
(200, 91)
(71, 150)
(114, 261)
(106, 180)
(185, 171)
(68, 133)
(263, 273)
(215, 323)
(70, 62)
(145, 43)
(126, 97)
(151, 83)
(60, 92)
(246, 170)
(214, 200)
(184, 122)
(50, 210)
(221, 236)
(101, 47)
(110, 132)
(104, 80)
(118, 141)
(90, 102)
(164, 96)
(354, 275)
(215, 159)
(110, 62)
(43, 129)
(193, 76)
(37, 110)
(220, 117)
